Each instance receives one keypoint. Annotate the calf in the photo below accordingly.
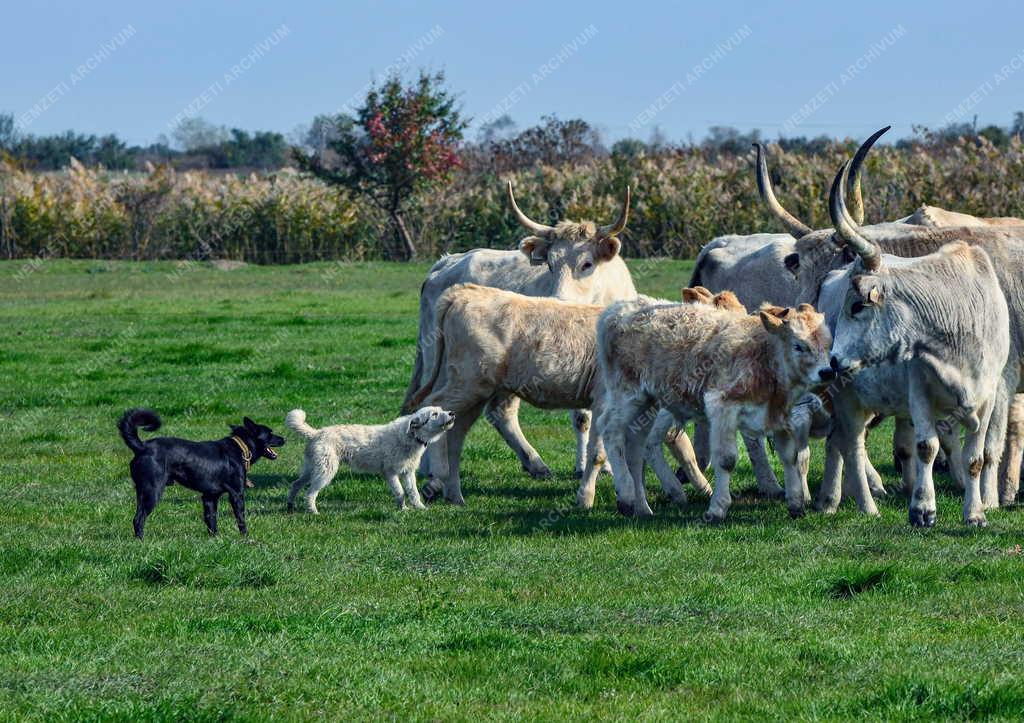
(739, 372)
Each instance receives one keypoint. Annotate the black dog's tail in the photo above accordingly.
(130, 423)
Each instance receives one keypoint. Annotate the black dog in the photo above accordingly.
(210, 468)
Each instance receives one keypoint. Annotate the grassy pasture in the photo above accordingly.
(515, 606)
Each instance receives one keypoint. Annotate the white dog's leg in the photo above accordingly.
(412, 492)
(297, 486)
(320, 476)
(396, 490)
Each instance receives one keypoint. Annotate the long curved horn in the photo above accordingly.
(857, 207)
(845, 226)
(796, 228)
(620, 224)
(537, 228)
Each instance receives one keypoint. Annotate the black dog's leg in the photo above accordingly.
(238, 506)
(145, 501)
(210, 512)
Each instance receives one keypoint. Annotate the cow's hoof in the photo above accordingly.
(922, 518)
(577, 473)
(827, 506)
(456, 500)
(643, 512)
(606, 468)
(797, 512)
(625, 508)
(714, 518)
(976, 520)
(680, 500)
(879, 491)
(771, 493)
(538, 471)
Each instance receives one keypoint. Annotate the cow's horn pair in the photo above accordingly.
(541, 229)
(795, 226)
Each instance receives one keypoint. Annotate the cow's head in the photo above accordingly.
(574, 252)
(817, 252)
(802, 340)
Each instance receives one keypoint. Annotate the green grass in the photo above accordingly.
(515, 606)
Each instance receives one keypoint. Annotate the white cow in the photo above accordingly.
(572, 261)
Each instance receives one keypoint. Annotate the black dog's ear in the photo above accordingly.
(250, 424)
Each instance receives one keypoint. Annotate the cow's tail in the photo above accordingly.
(444, 303)
(417, 364)
(295, 420)
(130, 423)
(696, 278)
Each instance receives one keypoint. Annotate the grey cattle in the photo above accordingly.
(820, 252)
(572, 261)
(917, 321)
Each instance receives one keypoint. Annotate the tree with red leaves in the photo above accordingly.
(401, 142)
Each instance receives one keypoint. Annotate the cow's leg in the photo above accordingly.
(974, 460)
(582, 420)
(904, 450)
(1009, 465)
(503, 413)
(723, 419)
(794, 457)
(453, 440)
(614, 432)
(702, 442)
(875, 483)
(949, 442)
(994, 442)
(767, 484)
(655, 457)
(830, 492)
(850, 428)
(922, 510)
(636, 441)
(596, 459)
(681, 448)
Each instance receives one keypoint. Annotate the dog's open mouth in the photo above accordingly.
(270, 453)
(449, 424)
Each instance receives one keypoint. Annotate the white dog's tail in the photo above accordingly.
(296, 421)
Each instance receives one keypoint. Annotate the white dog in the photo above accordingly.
(393, 450)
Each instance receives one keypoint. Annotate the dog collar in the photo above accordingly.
(420, 440)
(246, 454)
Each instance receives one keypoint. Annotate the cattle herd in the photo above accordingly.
(812, 333)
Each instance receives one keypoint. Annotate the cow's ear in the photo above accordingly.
(771, 322)
(728, 301)
(536, 249)
(779, 312)
(607, 248)
(868, 288)
(694, 296)
(805, 309)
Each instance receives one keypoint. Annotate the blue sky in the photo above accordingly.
(624, 67)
